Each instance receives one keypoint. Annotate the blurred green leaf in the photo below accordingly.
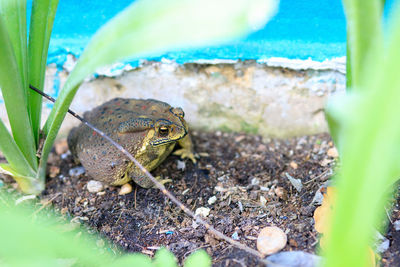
(42, 18)
(364, 37)
(199, 258)
(164, 258)
(38, 241)
(370, 153)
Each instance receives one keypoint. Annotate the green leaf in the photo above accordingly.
(39, 241)
(42, 18)
(364, 27)
(135, 259)
(370, 155)
(151, 26)
(27, 184)
(14, 97)
(164, 258)
(14, 15)
(199, 258)
(13, 154)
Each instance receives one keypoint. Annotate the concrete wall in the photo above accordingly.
(243, 96)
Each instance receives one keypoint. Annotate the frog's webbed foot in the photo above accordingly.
(186, 153)
(187, 149)
(162, 181)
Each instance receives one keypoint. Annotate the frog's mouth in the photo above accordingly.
(164, 141)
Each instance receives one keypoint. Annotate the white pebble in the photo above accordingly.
(270, 240)
(180, 165)
(125, 189)
(235, 236)
(396, 225)
(76, 172)
(202, 211)
(94, 186)
(212, 200)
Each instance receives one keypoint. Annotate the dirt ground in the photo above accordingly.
(245, 175)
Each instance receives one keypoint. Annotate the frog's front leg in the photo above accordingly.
(143, 181)
(186, 150)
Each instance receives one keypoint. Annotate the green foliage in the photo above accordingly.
(369, 135)
(145, 27)
(30, 239)
(198, 258)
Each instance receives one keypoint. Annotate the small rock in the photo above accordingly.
(76, 172)
(212, 200)
(293, 165)
(240, 205)
(396, 225)
(261, 148)
(125, 189)
(239, 138)
(235, 236)
(94, 186)
(295, 259)
(61, 147)
(280, 192)
(202, 211)
(180, 165)
(263, 201)
(332, 152)
(382, 243)
(54, 171)
(325, 162)
(295, 182)
(271, 239)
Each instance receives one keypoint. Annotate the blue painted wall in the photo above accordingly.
(301, 29)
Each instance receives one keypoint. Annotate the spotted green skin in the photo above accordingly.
(133, 123)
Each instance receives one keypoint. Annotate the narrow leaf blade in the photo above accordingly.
(42, 18)
(14, 97)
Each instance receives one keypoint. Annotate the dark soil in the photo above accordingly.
(248, 177)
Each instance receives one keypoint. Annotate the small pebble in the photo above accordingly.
(212, 200)
(295, 258)
(263, 201)
(76, 172)
(396, 225)
(332, 152)
(293, 165)
(61, 147)
(54, 171)
(280, 192)
(270, 240)
(94, 186)
(202, 211)
(295, 182)
(125, 189)
(235, 236)
(180, 165)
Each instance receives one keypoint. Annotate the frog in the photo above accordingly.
(147, 128)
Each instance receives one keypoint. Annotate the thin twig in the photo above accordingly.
(160, 186)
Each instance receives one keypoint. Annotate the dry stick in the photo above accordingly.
(158, 184)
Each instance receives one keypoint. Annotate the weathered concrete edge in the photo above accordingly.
(247, 96)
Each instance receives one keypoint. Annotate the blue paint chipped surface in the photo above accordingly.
(302, 30)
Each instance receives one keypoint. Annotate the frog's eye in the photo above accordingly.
(163, 131)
